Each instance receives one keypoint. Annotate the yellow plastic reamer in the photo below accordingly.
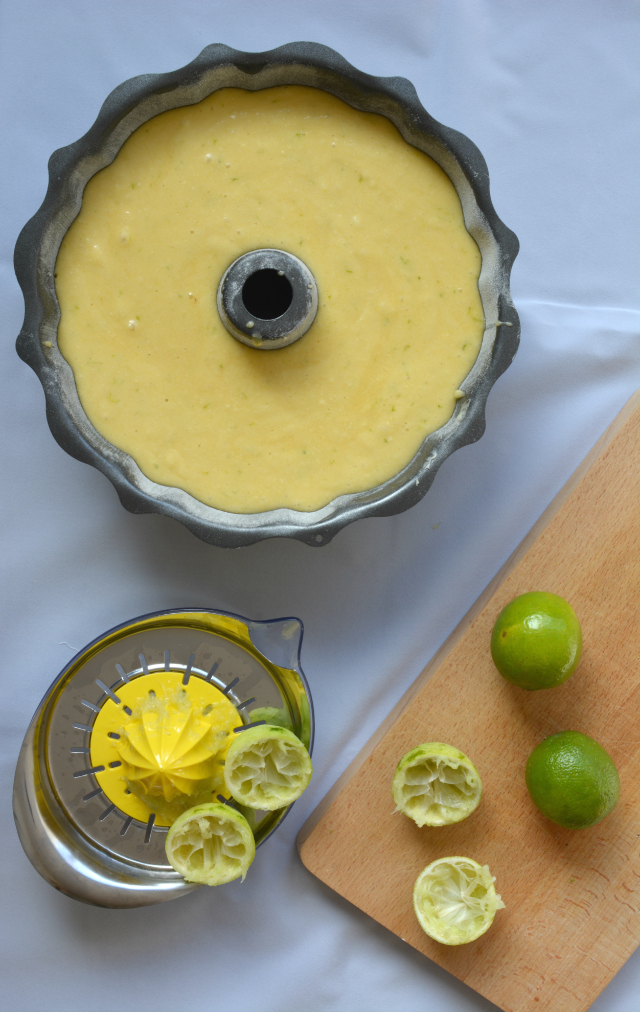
(163, 746)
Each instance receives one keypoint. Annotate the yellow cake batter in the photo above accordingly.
(399, 322)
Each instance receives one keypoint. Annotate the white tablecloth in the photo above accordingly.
(549, 92)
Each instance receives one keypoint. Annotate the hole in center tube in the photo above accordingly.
(267, 294)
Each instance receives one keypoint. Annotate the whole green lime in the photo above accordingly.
(572, 780)
(537, 641)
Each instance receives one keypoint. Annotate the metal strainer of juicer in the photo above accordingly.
(72, 831)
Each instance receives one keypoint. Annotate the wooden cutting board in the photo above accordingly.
(571, 917)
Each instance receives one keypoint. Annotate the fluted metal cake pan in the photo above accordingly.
(132, 104)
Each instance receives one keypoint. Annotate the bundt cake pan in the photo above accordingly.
(135, 102)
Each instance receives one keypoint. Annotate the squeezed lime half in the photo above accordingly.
(455, 900)
(210, 844)
(267, 768)
(435, 785)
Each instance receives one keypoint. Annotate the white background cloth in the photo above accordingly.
(549, 93)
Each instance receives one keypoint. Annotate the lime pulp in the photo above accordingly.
(210, 844)
(455, 900)
(436, 785)
(267, 768)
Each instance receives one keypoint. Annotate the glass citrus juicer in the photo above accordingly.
(134, 731)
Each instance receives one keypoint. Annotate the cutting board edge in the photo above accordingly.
(556, 504)
(481, 987)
